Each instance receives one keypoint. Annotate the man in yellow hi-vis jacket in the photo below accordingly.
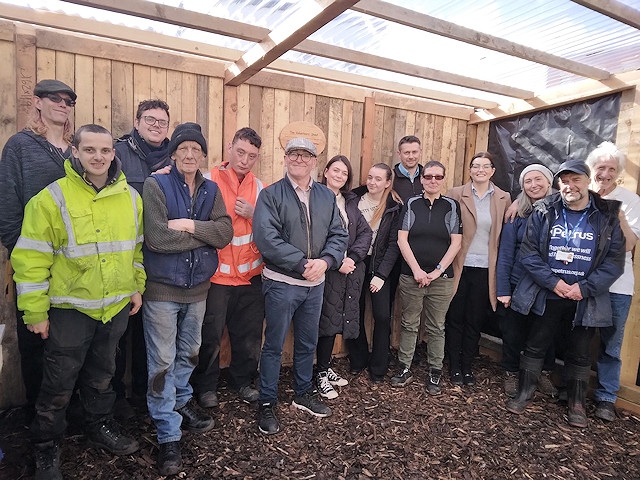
(79, 274)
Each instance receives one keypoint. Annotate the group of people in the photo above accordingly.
(127, 242)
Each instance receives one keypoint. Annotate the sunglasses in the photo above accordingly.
(57, 99)
(431, 177)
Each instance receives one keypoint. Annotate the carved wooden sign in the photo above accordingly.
(306, 130)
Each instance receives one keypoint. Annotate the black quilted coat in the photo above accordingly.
(341, 307)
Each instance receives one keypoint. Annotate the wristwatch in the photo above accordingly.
(439, 267)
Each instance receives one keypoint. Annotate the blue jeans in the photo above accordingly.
(609, 362)
(283, 304)
(172, 332)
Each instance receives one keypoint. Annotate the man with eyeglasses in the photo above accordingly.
(142, 152)
(235, 298)
(429, 238)
(299, 231)
(32, 159)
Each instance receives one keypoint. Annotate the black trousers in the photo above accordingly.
(80, 349)
(466, 315)
(31, 348)
(324, 351)
(559, 314)
(359, 348)
(135, 333)
(241, 309)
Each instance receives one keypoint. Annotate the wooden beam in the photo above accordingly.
(127, 34)
(430, 24)
(26, 71)
(614, 9)
(552, 97)
(382, 63)
(289, 33)
(178, 16)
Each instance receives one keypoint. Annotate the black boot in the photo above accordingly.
(577, 384)
(47, 456)
(530, 369)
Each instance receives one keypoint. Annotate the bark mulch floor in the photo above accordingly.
(376, 431)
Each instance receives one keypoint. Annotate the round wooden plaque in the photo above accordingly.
(306, 130)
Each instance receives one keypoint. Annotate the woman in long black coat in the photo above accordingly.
(341, 307)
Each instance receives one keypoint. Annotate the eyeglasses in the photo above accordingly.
(431, 177)
(55, 98)
(295, 156)
(483, 167)
(149, 120)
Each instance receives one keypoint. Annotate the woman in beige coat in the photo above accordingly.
(482, 208)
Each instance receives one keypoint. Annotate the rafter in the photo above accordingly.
(614, 9)
(430, 24)
(285, 36)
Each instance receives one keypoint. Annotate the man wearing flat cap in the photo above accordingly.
(32, 159)
(185, 222)
(572, 251)
(298, 229)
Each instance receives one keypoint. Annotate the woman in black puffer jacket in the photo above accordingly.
(380, 205)
(341, 306)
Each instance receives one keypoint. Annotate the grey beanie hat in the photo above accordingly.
(536, 167)
(185, 132)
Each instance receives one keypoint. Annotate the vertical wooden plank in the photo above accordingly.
(26, 72)
(438, 126)
(141, 86)
(347, 128)
(428, 137)
(65, 72)
(447, 141)
(243, 107)
(333, 133)
(280, 120)
(628, 136)
(461, 146)
(388, 136)
(296, 107)
(158, 85)
(230, 117)
(121, 98)
(357, 141)
(188, 99)
(84, 89)
(410, 127)
(267, 133)
(400, 128)
(215, 121)
(309, 108)
(322, 121)
(102, 92)
(202, 99)
(377, 136)
(418, 129)
(462, 171)
(8, 94)
(255, 110)
(368, 137)
(174, 98)
(46, 64)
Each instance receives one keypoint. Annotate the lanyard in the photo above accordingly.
(568, 232)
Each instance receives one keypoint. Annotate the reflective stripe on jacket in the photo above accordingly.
(79, 249)
(239, 261)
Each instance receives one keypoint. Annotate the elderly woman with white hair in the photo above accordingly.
(535, 182)
(607, 163)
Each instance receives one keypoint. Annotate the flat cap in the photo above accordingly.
(301, 143)
(53, 86)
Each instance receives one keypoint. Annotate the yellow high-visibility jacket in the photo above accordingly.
(79, 249)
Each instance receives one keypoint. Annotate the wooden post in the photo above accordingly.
(26, 68)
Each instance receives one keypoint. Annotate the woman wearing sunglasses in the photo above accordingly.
(482, 207)
(380, 206)
(342, 287)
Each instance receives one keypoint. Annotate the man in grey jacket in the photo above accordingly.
(298, 229)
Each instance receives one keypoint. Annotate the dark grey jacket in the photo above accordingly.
(29, 163)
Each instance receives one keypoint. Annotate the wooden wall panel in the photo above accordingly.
(8, 106)
(202, 104)
(25, 61)
(296, 107)
(174, 98)
(159, 85)
(346, 128)
(388, 136)
(84, 90)
(322, 120)
(141, 86)
(357, 134)
(243, 108)
(46, 64)
(122, 98)
(333, 133)
(215, 121)
(188, 97)
(255, 110)
(65, 71)
(309, 108)
(265, 165)
(280, 120)
(102, 92)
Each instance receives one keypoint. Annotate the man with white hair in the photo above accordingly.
(607, 163)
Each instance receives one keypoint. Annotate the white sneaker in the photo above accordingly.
(324, 387)
(335, 379)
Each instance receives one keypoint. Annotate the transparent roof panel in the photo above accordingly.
(559, 27)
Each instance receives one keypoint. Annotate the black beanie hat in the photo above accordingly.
(185, 132)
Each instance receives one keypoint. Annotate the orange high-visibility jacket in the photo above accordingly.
(239, 261)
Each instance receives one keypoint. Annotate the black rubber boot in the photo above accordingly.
(577, 385)
(530, 369)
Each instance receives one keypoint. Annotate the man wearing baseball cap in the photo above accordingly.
(32, 159)
(298, 229)
(572, 251)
